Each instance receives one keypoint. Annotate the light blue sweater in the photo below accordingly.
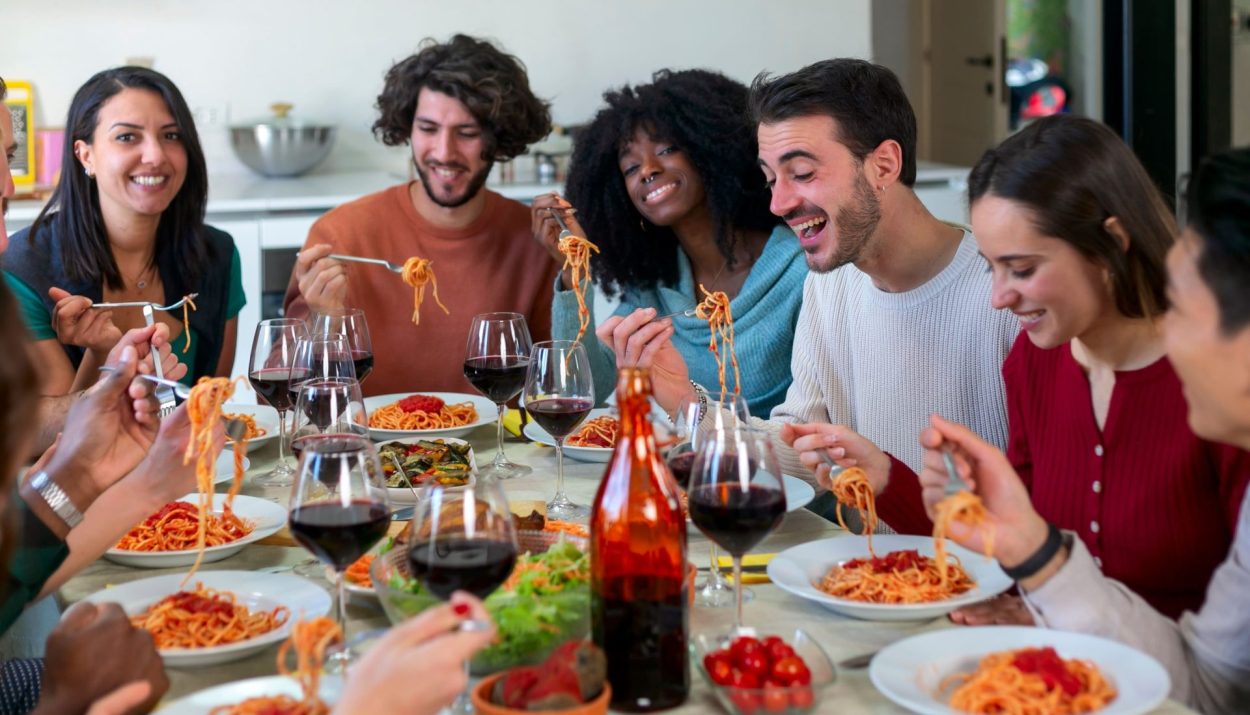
(765, 312)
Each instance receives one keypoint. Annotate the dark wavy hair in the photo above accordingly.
(705, 115)
(492, 84)
(866, 100)
(19, 384)
(74, 209)
(1217, 201)
(1074, 173)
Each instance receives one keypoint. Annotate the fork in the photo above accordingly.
(564, 227)
(179, 389)
(164, 393)
(392, 267)
(954, 484)
(148, 304)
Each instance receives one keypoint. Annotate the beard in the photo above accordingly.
(855, 223)
(476, 182)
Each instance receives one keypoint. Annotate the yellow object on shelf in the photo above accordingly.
(726, 564)
(21, 103)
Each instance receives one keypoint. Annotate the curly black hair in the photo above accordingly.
(492, 84)
(705, 115)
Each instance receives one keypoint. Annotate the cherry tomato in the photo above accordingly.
(742, 679)
(718, 666)
(801, 697)
(777, 649)
(756, 663)
(743, 646)
(746, 701)
(791, 671)
(776, 699)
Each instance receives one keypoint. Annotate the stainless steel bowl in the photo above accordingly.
(282, 146)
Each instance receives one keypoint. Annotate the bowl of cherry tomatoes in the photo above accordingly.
(756, 673)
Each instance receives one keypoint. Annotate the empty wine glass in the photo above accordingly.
(321, 356)
(559, 393)
(269, 372)
(328, 407)
(495, 362)
(351, 324)
(462, 539)
(736, 495)
(339, 508)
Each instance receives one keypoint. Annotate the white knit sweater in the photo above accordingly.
(881, 362)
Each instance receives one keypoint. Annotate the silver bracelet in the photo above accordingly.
(702, 393)
(56, 499)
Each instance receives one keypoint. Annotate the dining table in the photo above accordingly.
(771, 608)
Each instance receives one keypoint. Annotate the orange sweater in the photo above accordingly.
(493, 264)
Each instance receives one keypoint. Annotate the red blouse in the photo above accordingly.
(1156, 505)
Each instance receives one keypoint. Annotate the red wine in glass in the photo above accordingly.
(329, 443)
(319, 406)
(363, 363)
(735, 518)
(338, 534)
(273, 385)
(478, 566)
(499, 378)
(559, 415)
(680, 465)
(297, 379)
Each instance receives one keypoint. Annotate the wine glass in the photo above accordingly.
(462, 540)
(693, 422)
(495, 362)
(736, 495)
(351, 324)
(329, 407)
(269, 372)
(559, 393)
(339, 508)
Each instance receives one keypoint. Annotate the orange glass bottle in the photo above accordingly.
(639, 606)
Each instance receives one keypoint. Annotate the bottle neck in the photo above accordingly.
(633, 400)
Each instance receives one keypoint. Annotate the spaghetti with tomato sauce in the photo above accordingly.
(423, 412)
(176, 528)
(1029, 681)
(897, 577)
(204, 617)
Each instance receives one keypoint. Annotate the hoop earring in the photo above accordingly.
(642, 226)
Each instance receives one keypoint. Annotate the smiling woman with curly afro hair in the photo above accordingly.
(666, 183)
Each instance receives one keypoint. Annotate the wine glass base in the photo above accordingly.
(507, 470)
(565, 510)
(720, 595)
(462, 705)
(280, 476)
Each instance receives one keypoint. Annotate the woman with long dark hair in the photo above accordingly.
(126, 223)
(666, 183)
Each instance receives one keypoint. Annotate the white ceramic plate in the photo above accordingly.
(254, 589)
(265, 516)
(403, 495)
(798, 492)
(225, 466)
(798, 568)
(486, 414)
(908, 672)
(266, 419)
(200, 703)
(581, 454)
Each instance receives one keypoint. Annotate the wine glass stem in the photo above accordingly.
(500, 458)
(717, 580)
(738, 591)
(342, 604)
(281, 438)
(560, 470)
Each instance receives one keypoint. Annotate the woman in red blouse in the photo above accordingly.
(1075, 234)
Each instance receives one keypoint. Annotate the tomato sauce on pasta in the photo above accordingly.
(309, 640)
(1029, 681)
(422, 412)
(204, 617)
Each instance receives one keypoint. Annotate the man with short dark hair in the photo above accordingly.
(462, 105)
(896, 320)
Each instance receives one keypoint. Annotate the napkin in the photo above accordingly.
(512, 422)
(726, 565)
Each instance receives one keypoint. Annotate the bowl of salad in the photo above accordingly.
(545, 602)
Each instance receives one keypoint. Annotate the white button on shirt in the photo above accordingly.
(1098, 450)
(1096, 486)
(1093, 526)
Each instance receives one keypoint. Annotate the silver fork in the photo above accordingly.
(148, 304)
(392, 267)
(164, 393)
(954, 484)
(179, 389)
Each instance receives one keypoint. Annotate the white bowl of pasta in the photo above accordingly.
(961, 670)
(330, 687)
(600, 431)
(273, 602)
(262, 425)
(459, 414)
(166, 539)
(802, 569)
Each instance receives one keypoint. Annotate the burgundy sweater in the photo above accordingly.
(1155, 505)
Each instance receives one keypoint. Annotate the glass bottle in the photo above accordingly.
(639, 596)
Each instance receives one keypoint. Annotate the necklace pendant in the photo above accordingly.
(141, 285)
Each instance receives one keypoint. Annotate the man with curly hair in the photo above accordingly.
(462, 105)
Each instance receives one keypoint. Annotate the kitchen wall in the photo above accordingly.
(232, 58)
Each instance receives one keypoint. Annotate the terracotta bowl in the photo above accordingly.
(483, 705)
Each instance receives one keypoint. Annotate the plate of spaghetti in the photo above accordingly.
(427, 414)
(1017, 669)
(167, 538)
(592, 442)
(229, 695)
(261, 421)
(900, 584)
(218, 616)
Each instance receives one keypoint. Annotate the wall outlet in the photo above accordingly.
(211, 115)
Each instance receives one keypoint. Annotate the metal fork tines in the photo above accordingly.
(954, 484)
(564, 227)
(148, 304)
(393, 267)
(164, 393)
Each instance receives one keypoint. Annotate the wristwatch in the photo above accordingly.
(56, 499)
